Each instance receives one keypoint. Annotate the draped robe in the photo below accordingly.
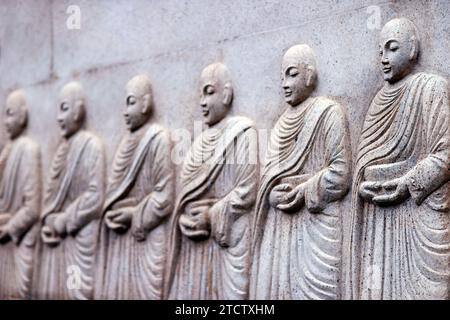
(20, 192)
(298, 255)
(75, 188)
(402, 251)
(221, 165)
(141, 177)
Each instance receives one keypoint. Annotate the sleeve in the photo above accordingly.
(332, 182)
(432, 171)
(30, 181)
(89, 203)
(241, 198)
(157, 205)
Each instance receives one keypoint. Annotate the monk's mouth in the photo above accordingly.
(387, 69)
(205, 113)
(288, 94)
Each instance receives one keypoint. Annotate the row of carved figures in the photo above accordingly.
(235, 230)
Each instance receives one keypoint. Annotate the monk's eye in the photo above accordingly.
(64, 106)
(131, 100)
(209, 90)
(293, 72)
(393, 47)
(9, 112)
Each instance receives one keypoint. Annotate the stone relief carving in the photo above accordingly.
(400, 241)
(210, 230)
(297, 230)
(20, 192)
(73, 200)
(139, 198)
(232, 232)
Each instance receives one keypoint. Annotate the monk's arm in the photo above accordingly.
(157, 205)
(332, 182)
(28, 213)
(240, 199)
(89, 203)
(432, 171)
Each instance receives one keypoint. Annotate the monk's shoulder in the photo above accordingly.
(433, 80)
(94, 143)
(30, 147)
(329, 105)
(162, 134)
(241, 121)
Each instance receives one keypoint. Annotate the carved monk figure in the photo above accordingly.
(297, 231)
(133, 243)
(209, 254)
(20, 191)
(400, 241)
(73, 200)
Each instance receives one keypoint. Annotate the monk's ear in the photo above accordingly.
(147, 105)
(227, 94)
(79, 108)
(414, 48)
(310, 76)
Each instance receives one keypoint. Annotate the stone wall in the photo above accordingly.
(172, 41)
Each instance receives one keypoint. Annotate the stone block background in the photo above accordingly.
(172, 40)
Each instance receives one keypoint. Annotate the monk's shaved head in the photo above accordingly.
(140, 85)
(73, 90)
(401, 29)
(16, 113)
(217, 72)
(399, 49)
(72, 110)
(301, 54)
(216, 92)
(299, 73)
(139, 102)
(17, 100)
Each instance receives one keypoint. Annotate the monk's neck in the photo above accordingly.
(139, 131)
(301, 106)
(72, 137)
(400, 82)
(219, 125)
(17, 137)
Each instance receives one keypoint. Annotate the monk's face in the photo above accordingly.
(136, 111)
(396, 52)
(213, 98)
(14, 118)
(294, 81)
(69, 114)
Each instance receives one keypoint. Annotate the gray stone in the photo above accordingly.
(172, 42)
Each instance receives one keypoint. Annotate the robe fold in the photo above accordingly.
(20, 196)
(221, 165)
(403, 251)
(297, 255)
(142, 178)
(75, 188)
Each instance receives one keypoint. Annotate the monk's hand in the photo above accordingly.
(278, 193)
(293, 200)
(196, 223)
(369, 189)
(395, 191)
(60, 224)
(119, 220)
(49, 236)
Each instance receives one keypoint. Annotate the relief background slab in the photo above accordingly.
(173, 41)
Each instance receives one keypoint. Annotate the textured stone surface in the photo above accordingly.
(172, 41)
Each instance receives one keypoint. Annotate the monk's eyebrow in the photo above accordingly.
(390, 41)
